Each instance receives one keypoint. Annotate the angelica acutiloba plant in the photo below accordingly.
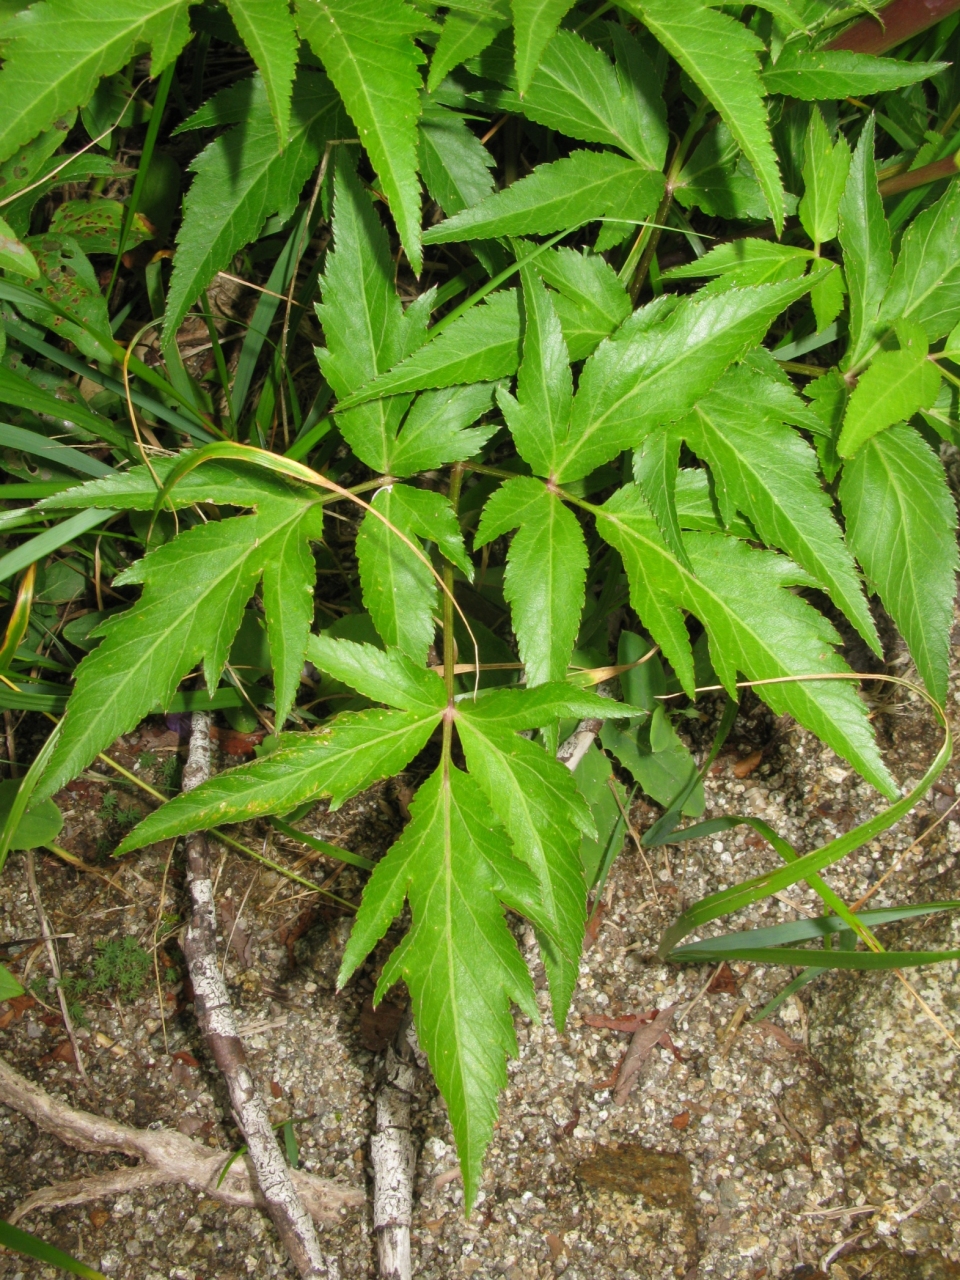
(687, 366)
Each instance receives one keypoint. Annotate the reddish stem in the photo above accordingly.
(920, 177)
(901, 19)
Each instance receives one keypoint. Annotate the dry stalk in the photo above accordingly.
(215, 1016)
(47, 934)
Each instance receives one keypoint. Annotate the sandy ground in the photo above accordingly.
(824, 1141)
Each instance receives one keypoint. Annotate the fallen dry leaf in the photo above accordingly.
(379, 1026)
(743, 768)
(555, 1245)
(641, 1046)
(234, 743)
(667, 1043)
(62, 1053)
(723, 982)
(593, 925)
(20, 1005)
(782, 1037)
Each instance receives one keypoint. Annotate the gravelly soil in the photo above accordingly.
(744, 1151)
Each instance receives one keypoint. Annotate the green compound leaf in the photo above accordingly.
(195, 590)
(454, 164)
(56, 52)
(815, 75)
(533, 708)
(438, 429)
(539, 416)
(465, 34)
(598, 785)
(655, 469)
(591, 301)
(399, 589)
(267, 29)
(384, 675)
(534, 24)
(696, 506)
(895, 386)
(901, 524)
(768, 472)
(720, 56)
(925, 286)
(755, 625)
(825, 169)
(719, 179)
(482, 345)
(365, 327)
(567, 193)
(865, 240)
(459, 959)
(346, 756)
(827, 294)
(536, 799)
(242, 178)
(745, 262)
(136, 489)
(656, 368)
(545, 575)
(375, 67)
(577, 91)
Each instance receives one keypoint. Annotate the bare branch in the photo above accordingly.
(215, 1016)
(394, 1156)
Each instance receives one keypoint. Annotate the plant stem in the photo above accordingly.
(900, 20)
(645, 246)
(920, 177)
(449, 643)
(648, 249)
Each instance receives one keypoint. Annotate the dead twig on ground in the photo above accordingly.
(215, 1016)
(394, 1155)
(166, 1156)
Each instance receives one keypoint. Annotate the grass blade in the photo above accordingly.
(33, 1247)
(51, 540)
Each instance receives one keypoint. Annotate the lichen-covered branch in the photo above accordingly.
(215, 1016)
